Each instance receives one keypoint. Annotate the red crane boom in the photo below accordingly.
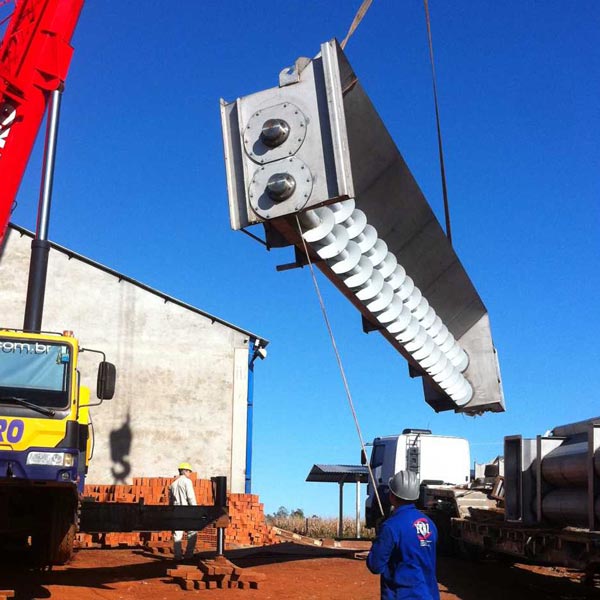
(34, 59)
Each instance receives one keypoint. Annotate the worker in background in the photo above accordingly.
(404, 551)
(181, 493)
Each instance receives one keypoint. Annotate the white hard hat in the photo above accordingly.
(404, 485)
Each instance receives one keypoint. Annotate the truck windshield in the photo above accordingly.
(37, 372)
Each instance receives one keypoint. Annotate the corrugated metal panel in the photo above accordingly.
(338, 473)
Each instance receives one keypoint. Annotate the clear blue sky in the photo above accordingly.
(140, 187)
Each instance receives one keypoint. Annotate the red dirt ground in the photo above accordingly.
(293, 572)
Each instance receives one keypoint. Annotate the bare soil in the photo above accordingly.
(293, 572)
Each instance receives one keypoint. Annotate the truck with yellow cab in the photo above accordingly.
(45, 440)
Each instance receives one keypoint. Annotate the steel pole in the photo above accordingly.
(358, 509)
(40, 246)
(220, 492)
(341, 513)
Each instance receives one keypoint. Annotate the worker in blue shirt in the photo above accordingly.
(404, 550)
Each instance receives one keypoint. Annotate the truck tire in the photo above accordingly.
(62, 535)
(63, 546)
(53, 542)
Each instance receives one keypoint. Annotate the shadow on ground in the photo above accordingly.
(464, 580)
(29, 583)
(495, 580)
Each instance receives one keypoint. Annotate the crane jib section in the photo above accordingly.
(35, 54)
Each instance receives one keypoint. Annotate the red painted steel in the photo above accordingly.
(34, 59)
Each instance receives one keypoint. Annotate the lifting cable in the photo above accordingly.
(339, 362)
(360, 13)
(439, 129)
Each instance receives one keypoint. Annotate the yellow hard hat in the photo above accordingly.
(185, 466)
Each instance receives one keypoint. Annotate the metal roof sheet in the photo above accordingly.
(338, 474)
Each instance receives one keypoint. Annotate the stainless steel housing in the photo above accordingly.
(316, 141)
(555, 478)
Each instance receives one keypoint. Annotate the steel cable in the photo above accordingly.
(339, 362)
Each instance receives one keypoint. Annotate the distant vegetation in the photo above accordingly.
(315, 527)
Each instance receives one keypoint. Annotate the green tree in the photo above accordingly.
(282, 513)
(299, 513)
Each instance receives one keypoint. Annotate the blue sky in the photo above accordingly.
(140, 187)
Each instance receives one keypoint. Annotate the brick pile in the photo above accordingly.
(216, 573)
(247, 526)
(6, 594)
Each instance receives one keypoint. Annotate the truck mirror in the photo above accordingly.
(363, 458)
(107, 375)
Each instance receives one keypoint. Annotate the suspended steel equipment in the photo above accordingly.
(555, 478)
(313, 163)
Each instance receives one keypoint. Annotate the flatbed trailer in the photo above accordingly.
(569, 547)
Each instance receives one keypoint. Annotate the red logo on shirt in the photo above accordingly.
(422, 528)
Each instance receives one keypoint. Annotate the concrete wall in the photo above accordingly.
(182, 377)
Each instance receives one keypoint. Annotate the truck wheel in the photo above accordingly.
(53, 543)
(62, 536)
(63, 546)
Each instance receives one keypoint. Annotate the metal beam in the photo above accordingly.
(108, 517)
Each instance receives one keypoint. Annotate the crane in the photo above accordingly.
(35, 55)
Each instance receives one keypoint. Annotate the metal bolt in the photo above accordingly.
(280, 186)
(274, 132)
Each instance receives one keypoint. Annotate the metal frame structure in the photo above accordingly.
(341, 474)
(555, 479)
(106, 517)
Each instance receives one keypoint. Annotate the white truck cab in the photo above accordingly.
(436, 459)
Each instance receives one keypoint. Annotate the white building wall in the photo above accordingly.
(182, 377)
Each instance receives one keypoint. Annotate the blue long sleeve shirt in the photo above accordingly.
(404, 555)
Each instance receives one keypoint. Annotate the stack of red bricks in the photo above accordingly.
(215, 573)
(247, 526)
(6, 594)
